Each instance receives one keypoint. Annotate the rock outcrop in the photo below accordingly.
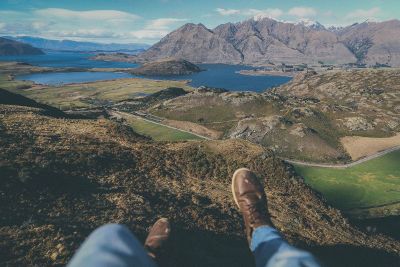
(166, 67)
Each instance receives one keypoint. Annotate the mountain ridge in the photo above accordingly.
(266, 41)
(14, 48)
(70, 45)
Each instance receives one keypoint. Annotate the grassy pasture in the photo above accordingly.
(86, 95)
(370, 185)
(159, 132)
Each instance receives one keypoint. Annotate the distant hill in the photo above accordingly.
(168, 66)
(68, 45)
(269, 41)
(13, 48)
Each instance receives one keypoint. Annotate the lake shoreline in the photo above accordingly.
(55, 64)
(267, 73)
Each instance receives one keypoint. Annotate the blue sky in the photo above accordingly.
(147, 21)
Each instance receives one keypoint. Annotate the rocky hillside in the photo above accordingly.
(303, 119)
(373, 42)
(266, 40)
(169, 66)
(62, 178)
(14, 48)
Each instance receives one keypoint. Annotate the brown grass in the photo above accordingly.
(194, 128)
(359, 147)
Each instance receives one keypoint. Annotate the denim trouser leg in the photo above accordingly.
(111, 245)
(271, 250)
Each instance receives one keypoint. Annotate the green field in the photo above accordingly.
(158, 132)
(374, 183)
(87, 95)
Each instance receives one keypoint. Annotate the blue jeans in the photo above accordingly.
(113, 245)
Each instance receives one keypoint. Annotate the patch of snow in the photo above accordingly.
(311, 24)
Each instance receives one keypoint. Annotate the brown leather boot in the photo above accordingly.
(250, 197)
(158, 236)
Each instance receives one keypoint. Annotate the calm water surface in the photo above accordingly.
(226, 76)
(215, 75)
(67, 59)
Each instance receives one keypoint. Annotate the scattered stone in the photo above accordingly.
(357, 124)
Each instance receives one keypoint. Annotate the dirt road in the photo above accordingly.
(125, 114)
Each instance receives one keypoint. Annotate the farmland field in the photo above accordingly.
(371, 188)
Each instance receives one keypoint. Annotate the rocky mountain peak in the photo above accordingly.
(264, 40)
(311, 24)
(192, 27)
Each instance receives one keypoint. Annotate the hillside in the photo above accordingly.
(169, 66)
(373, 42)
(264, 41)
(303, 119)
(14, 48)
(62, 178)
(8, 98)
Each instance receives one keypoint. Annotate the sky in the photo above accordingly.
(147, 21)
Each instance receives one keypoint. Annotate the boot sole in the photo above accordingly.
(233, 187)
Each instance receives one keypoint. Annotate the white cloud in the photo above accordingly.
(85, 15)
(273, 13)
(363, 14)
(87, 33)
(162, 23)
(302, 12)
(148, 34)
(227, 12)
(156, 28)
(251, 12)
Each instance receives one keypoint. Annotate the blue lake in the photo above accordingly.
(67, 59)
(227, 76)
(215, 75)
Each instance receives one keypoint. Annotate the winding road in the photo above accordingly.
(344, 166)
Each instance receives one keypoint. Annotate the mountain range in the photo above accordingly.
(68, 45)
(14, 48)
(264, 41)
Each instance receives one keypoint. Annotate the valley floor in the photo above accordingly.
(291, 127)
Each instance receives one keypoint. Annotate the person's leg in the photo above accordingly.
(111, 245)
(268, 247)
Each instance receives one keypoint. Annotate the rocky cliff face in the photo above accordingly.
(266, 40)
(14, 48)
